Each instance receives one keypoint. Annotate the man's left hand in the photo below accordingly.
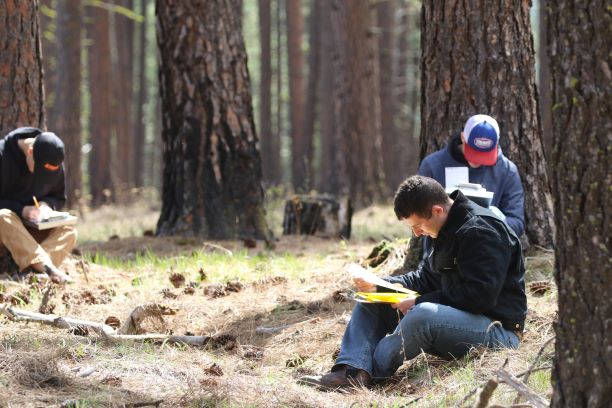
(405, 305)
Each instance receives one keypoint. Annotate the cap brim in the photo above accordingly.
(482, 158)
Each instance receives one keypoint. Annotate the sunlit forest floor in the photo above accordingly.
(274, 315)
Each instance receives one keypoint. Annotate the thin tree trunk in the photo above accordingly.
(269, 150)
(327, 180)
(544, 85)
(356, 107)
(385, 13)
(21, 73)
(579, 49)
(495, 77)
(295, 30)
(100, 126)
(276, 145)
(139, 118)
(124, 92)
(310, 109)
(212, 168)
(48, 26)
(67, 104)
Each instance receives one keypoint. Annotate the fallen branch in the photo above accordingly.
(272, 330)
(486, 393)
(532, 366)
(161, 338)
(521, 388)
(132, 323)
(53, 320)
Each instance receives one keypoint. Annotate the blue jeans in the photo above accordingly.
(429, 327)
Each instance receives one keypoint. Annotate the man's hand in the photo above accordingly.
(31, 213)
(405, 305)
(363, 286)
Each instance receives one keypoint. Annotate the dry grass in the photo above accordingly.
(290, 289)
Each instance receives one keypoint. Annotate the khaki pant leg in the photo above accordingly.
(57, 242)
(23, 247)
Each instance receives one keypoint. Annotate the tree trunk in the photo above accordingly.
(124, 92)
(21, 77)
(579, 48)
(544, 85)
(48, 27)
(357, 112)
(139, 118)
(100, 125)
(385, 13)
(483, 62)
(279, 87)
(270, 154)
(327, 180)
(212, 168)
(310, 109)
(295, 30)
(67, 103)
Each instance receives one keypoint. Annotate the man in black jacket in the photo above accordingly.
(31, 186)
(471, 290)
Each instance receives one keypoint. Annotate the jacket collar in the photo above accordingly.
(460, 209)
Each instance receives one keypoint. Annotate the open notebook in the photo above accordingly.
(56, 219)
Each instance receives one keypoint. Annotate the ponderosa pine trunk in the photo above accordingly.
(123, 95)
(270, 154)
(101, 184)
(356, 106)
(579, 48)
(67, 102)
(385, 15)
(48, 27)
(21, 77)
(295, 31)
(141, 99)
(212, 168)
(482, 61)
(310, 108)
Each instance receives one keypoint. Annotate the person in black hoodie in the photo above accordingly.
(471, 291)
(31, 185)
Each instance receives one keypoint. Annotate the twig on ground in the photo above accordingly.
(44, 303)
(144, 404)
(84, 269)
(532, 366)
(219, 247)
(53, 320)
(272, 330)
(132, 323)
(521, 388)
(486, 393)
(160, 338)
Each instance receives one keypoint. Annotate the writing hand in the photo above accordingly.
(405, 305)
(363, 286)
(31, 213)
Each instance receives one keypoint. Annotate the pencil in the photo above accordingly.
(36, 202)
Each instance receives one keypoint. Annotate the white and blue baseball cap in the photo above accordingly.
(481, 133)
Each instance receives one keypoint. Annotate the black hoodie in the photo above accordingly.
(18, 185)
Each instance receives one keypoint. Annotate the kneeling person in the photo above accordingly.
(471, 288)
(31, 185)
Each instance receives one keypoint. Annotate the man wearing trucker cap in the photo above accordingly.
(477, 149)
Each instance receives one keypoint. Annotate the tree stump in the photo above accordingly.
(323, 216)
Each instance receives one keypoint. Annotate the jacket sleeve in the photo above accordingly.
(12, 205)
(56, 199)
(483, 258)
(423, 280)
(512, 202)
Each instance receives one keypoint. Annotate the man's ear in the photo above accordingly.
(30, 151)
(462, 137)
(437, 210)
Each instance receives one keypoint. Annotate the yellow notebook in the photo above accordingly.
(382, 297)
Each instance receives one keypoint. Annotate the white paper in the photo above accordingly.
(358, 271)
(455, 175)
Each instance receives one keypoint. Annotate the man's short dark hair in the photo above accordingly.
(416, 195)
